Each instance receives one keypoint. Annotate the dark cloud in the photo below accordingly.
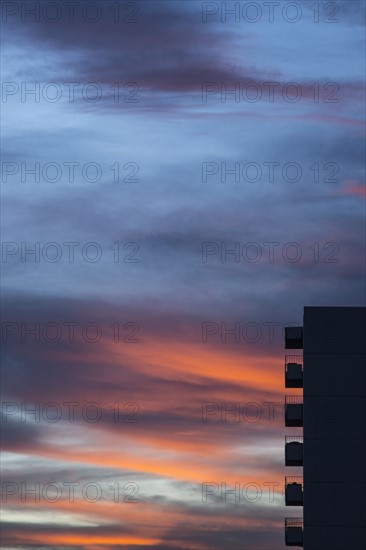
(14, 435)
(137, 52)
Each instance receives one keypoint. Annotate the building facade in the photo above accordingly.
(327, 415)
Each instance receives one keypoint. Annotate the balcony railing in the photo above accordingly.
(294, 491)
(294, 445)
(293, 410)
(293, 371)
(294, 531)
(294, 439)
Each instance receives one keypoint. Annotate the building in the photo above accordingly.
(328, 424)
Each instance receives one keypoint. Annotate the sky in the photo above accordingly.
(179, 179)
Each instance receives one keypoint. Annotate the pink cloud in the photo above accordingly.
(354, 187)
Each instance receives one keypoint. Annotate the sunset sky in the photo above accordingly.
(188, 180)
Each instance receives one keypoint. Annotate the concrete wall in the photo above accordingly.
(334, 428)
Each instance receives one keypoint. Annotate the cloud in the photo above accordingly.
(354, 187)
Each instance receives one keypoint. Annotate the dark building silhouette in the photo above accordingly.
(330, 418)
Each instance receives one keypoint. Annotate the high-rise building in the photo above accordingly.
(328, 421)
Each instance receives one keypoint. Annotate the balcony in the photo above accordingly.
(293, 411)
(294, 491)
(293, 371)
(293, 337)
(294, 450)
(294, 532)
